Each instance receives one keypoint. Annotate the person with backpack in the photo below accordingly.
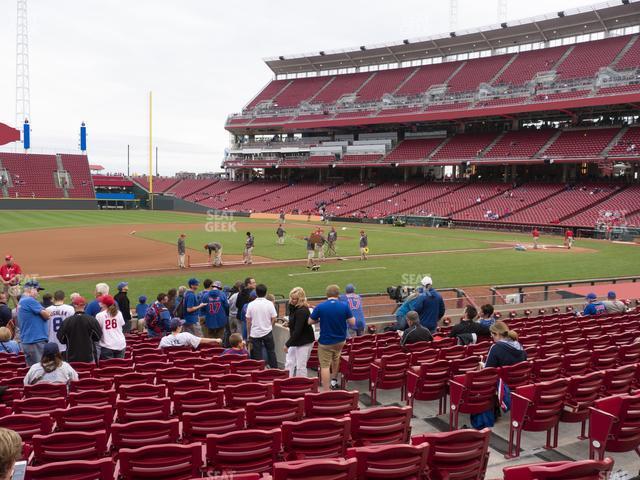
(429, 305)
(406, 307)
(157, 317)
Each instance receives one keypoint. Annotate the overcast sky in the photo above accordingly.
(96, 61)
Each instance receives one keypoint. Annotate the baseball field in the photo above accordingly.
(72, 250)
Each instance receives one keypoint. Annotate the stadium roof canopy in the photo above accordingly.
(544, 28)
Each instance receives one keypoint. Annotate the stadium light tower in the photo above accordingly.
(502, 10)
(23, 102)
(453, 15)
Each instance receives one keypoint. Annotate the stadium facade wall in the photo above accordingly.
(48, 204)
(163, 202)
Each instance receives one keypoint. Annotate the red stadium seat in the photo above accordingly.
(582, 392)
(90, 384)
(133, 378)
(330, 469)
(546, 369)
(83, 418)
(143, 390)
(219, 383)
(244, 451)
(237, 396)
(459, 454)
(138, 409)
(209, 370)
(271, 413)
(63, 446)
(195, 401)
(197, 425)
(93, 397)
(382, 425)
(186, 385)
(83, 367)
(429, 382)
(173, 374)
(629, 354)
(116, 362)
(112, 373)
(146, 432)
(604, 358)
(161, 462)
(244, 367)
(618, 381)
(49, 390)
(472, 393)
(576, 363)
(333, 404)
(536, 408)
(27, 425)
(571, 470)
(516, 375)
(315, 438)
(294, 387)
(82, 470)
(393, 462)
(38, 405)
(614, 425)
(452, 353)
(389, 372)
(424, 355)
(463, 365)
(268, 376)
(228, 359)
(356, 365)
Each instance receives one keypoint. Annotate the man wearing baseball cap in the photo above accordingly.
(613, 305)
(192, 304)
(122, 300)
(79, 333)
(178, 338)
(216, 310)
(182, 251)
(593, 307)
(11, 274)
(32, 318)
(429, 305)
(351, 298)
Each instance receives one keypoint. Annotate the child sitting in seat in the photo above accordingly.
(237, 345)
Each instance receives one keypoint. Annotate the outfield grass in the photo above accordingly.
(453, 269)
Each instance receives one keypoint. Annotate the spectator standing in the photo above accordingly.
(243, 315)
(593, 307)
(182, 250)
(178, 338)
(486, 315)
(261, 315)
(5, 311)
(415, 332)
(172, 301)
(158, 317)
(333, 317)
(249, 243)
(58, 313)
(32, 320)
(243, 296)
(612, 305)
(468, 330)
(11, 275)
(112, 343)
(216, 309)
(79, 333)
(10, 452)
(94, 306)
(301, 337)
(6, 344)
(192, 306)
(51, 368)
(429, 305)
(123, 303)
(351, 298)
(233, 305)
(141, 310)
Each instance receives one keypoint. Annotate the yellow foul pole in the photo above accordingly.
(151, 149)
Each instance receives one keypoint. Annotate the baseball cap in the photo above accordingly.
(8, 257)
(175, 323)
(142, 299)
(106, 300)
(50, 349)
(611, 294)
(33, 284)
(79, 300)
(253, 294)
(349, 288)
(194, 281)
(217, 284)
(426, 280)
(121, 285)
(591, 296)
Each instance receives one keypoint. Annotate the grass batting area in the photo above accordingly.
(74, 250)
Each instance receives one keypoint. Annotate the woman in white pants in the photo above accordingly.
(301, 336)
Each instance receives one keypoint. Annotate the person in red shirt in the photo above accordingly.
(568, 238)
(11, 274)
(536, 237)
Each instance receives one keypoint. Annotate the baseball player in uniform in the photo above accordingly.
(216, 249)
(320, 245)
(248, 249)
(182, 250)
(568, 238)
(280, 232)
(364, 245)
(536, 237)
(311, 251)
(332, 238)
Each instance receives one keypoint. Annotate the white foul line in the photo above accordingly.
(334, 271)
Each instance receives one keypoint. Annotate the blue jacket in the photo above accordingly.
(430, 307)
(354, 301)
(595, 308)
(217, 308)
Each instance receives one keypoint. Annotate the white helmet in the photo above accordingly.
(426, 281)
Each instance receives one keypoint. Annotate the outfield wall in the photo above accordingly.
(48, 204)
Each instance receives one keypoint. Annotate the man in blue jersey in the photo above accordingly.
(32, 320)
(333, 316)
(593, 306)
(429, 305)
(192, 305)
(93, 308)
(354, 301)
(216, 309)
